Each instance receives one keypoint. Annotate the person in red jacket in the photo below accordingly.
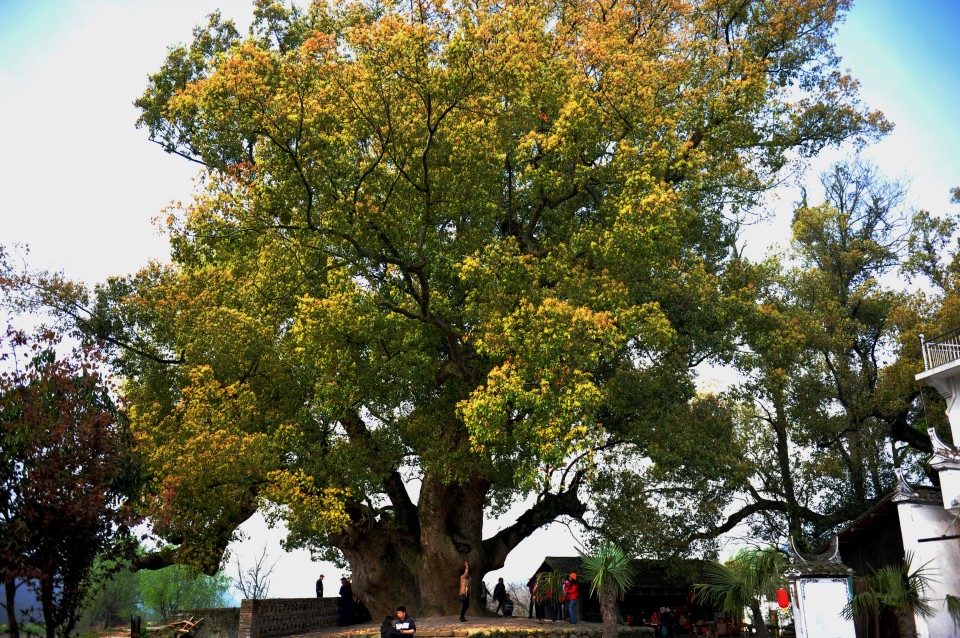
(572, 589)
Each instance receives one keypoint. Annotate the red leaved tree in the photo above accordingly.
(65, 474)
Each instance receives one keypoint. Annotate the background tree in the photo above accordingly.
(65, 474)
(172, 588)
(829, 407)
(470, 247)
(254, 581)
(114, 595)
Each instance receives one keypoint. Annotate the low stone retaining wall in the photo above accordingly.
(268, 618)
(216, 623)
(272, 618)
(284, 616)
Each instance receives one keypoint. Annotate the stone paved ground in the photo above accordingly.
(441, 626)
(444, 625)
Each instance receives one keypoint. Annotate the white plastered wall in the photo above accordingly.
(929, 520)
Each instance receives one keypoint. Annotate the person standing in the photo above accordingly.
(538, 595)
(320, 586)
(531, 584)
(405, 624)
(346, 602)
(550, 601)
(499, 595)
(671, 620)
(464, 590)
(562, 608)
(572, 589)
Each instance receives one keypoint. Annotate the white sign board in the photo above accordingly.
(818, 608)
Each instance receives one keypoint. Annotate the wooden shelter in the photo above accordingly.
(659, 583)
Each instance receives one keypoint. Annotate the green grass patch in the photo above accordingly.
(26, 629)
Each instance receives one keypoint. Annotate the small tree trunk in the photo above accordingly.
(906, 624)
(759, 623)
(47, 605)
(608, 607)
(10, 585)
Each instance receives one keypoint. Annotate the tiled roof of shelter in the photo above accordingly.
(903, 492)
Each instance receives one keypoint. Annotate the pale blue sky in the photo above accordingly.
(906, 54)
(75, 175)
(80, 184)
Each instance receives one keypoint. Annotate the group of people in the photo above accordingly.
(404, 625)
(345, 604)
(665, 620)
(543, 600)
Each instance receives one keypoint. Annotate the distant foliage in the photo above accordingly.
(153, 594)
(173, 588)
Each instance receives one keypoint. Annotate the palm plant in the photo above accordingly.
(899, 588)
(953, 608)
(611, 573)
(741, 583)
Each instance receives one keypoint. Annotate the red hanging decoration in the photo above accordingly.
(783, 598)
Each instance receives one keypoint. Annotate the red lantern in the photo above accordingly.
(783, 598)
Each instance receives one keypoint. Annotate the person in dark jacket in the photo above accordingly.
(499, 595)
(671, 622)
(405, 624)
(346, 602)
(387, 630)
(320, 586)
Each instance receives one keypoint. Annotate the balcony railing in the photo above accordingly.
(941, 350)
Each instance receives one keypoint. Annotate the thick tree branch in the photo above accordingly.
(547, 509)
(405, 511)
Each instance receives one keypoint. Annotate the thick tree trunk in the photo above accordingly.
(415, 558)
(392, 567)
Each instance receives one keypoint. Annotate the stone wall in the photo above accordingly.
(284, 616)
(269, 618)
(216, 623)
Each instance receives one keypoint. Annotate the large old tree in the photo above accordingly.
(446, 256)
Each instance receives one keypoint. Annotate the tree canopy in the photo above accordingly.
(446, 256)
